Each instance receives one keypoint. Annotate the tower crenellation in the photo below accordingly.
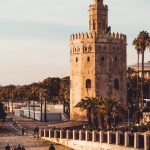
(113, 36)
(97, 61)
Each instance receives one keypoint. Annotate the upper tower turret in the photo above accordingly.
(98, 17)
(98, 2)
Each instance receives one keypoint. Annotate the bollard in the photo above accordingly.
(126, 143)
(44, 133)
(86, 135)
(67, 134)
(49, 133)
(109, 137)
(80, 135)
(93, 136)
(136, 141)
(40, 133)
(117, 138)
(146, 142)
(55, 134)
(61, 134)
(74, 134)
(101, 136)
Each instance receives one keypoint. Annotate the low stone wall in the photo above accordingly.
(94, 140)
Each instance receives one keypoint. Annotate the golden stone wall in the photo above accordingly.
(98, 56)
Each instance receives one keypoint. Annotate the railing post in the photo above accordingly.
(55, 134)
(146, 142)
(86, 135)
(117, 138)
(40, 133)
(136, 141)
(44, 133)
(67, 134)
(109, 137)
(80, 135)
(49, 133)
(101, 136)
(74, 134)
(126, 143)
(61, 134)
(93, 136)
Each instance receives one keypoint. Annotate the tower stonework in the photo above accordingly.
(98, 61)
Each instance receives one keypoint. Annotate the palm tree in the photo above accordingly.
(88, 104)
(142, 42)
(100, 107)
(110, 107)
(139, 51)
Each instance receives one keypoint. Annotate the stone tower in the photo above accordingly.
(97, 61)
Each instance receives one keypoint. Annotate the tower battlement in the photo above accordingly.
(81, 36)
(90, 35)
(118, 36)
(98, 6)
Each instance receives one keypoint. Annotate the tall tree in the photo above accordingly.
(2, 112)
(139, 51)
(142, 42)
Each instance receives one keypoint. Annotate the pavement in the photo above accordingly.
(29, 142)
(13, 134)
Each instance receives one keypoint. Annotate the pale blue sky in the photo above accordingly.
(34, 34)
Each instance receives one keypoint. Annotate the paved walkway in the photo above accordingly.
(29, 143)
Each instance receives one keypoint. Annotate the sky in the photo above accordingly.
(34, 34)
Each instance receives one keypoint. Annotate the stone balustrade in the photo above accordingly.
(135, 141)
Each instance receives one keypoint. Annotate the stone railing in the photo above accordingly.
(126, 140)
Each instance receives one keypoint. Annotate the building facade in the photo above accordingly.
(146, 69)
(98, 61)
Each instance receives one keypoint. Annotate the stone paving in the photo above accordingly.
(29, 143)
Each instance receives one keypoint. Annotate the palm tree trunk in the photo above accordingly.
(89, 118)
(108, 122)
(138, 79)
(142, 82)
(34, 107)
(102, 121)
(45, 111)
(29, 107)
(41, 110)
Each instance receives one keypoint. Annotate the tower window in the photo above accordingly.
(76, 59)
(116, 84)
(102, 58)
(85, 48)
(88, 83)
(116, 59)
(94, 25)
(88, 58)
(104, 24)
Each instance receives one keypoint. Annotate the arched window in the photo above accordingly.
(88, 58)
(94, 25)
(76, 59)
(88, 83)
(116, 84)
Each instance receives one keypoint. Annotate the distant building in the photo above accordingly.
(146, 69)
(98, 61)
